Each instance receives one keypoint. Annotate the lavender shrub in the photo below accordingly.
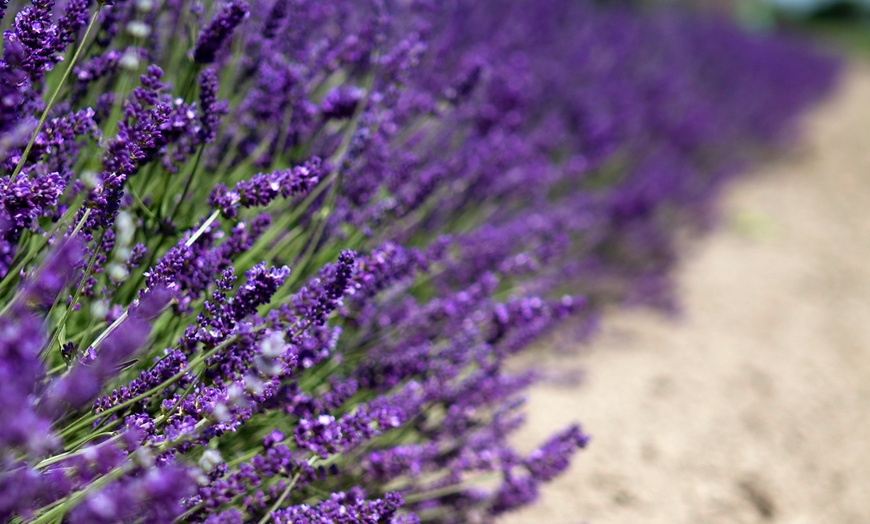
(265, 261)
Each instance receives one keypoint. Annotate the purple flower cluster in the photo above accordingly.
(261, 189)
(218, 31)
(350, 507)
(270, 260)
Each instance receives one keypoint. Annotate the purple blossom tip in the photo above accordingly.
(212, 38)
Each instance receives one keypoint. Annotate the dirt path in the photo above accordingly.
(755, 407)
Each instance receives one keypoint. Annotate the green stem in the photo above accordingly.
(201, 357)
(31, 252)
(60, 326)
(193, 383)
(285, 493)
(57, 89)
(102, 336)
(78, 497)
(187, 184)
(205, 225)
(132, 284)
(447, 490)
(63, 456)
(81, 223)
(89, 437)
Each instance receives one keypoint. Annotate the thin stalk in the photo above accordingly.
(30, 253)
(448, 490)
(141, 204)
(285, 494)
(193, 383)
(132, 284)
(187, 183)
(109, 330)
(76, 296)
(205, 225)
(72, 446)
(81, 223)
(78, 497)
(57, 89)
(70, 454)
(283, 244)
(286, 221)
(302, 261)
(201, 357)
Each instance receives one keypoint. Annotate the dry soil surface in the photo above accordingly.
(754, 407)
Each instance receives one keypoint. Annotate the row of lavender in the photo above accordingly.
(266, 261)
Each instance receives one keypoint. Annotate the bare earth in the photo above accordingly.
(755, 406)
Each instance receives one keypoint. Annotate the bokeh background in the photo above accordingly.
(751, 406)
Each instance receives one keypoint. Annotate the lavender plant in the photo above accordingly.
(265, 261)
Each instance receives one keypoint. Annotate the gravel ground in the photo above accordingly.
(754, 407)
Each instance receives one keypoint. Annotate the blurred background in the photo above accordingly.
(752, 407)
(845, 23)
(806, 8)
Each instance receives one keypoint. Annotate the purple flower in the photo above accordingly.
(341, 102)
(551, 459)
(349, 507)
(22, 201)
(444, 196)
(152, 497)
(56, 272)
(210, 108)
(21, 340)
(261, 189)
(213, 36)
(84, 382)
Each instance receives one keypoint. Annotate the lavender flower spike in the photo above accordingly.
(444, 195)
(218, 31)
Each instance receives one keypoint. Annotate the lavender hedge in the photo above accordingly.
(265, 261)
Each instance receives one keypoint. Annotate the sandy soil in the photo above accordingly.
(754, 407)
